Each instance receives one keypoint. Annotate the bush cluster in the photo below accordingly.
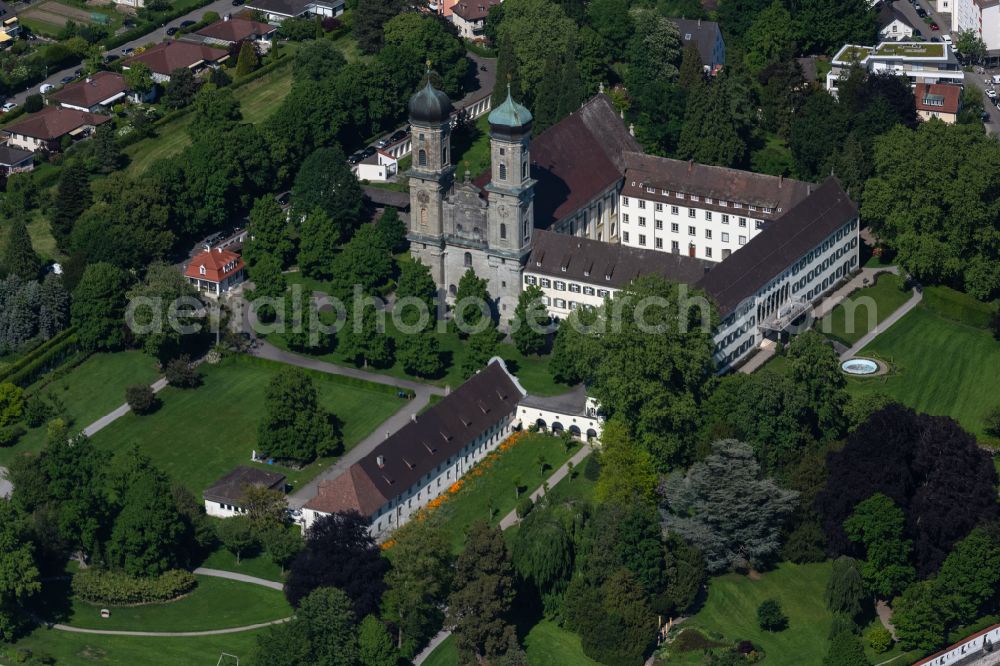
(118, 589)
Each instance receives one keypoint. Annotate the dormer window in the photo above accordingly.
(201, 270)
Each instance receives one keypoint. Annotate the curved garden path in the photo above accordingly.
(217, 573)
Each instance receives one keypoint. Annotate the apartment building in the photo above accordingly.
(920, 62)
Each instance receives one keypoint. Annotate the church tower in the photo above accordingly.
(430, 176)
(511, 188)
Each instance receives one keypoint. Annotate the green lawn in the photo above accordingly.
(259, 99)
(256, 564)
(74, 649)
(89, 391)
(198, 435)
(216, 603)
(548, 644)
(940, 366)
(492, 484)
(445, 654)
(470, 148)
(731, 611)
(171, 138)
(886, 296)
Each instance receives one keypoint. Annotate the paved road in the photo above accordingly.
(119, 412)
(243, 578)
(881, 327)
(222, 7)
(423, 393)
(509, 521)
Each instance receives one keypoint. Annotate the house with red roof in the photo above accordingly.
(938, 100)
(167, 57)
(95, 94)
(46, 129)
(469, 16)
(215, 271)
(229, 30)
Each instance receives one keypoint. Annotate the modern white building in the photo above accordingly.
(920, 62)
(701, 211)
(379, 167)
(224, 498)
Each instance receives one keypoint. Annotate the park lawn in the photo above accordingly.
(488, 491)
(887, 295)
(548, 644)
(216, 603)
(939, 366)
(730, 610)
(171, 138)
(470, 148)
(259, 98)
(69, 649)
(89, 391)
(198, 435)
(256, 564)
(445, 654)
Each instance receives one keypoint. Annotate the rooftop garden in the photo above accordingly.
(911, 49)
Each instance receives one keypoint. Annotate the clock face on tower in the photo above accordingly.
(503, 211)
(423, 198)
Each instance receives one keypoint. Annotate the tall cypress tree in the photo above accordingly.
(53, 309)
(506, 72)
(692, 69)
(548, 96)
(19, 257)
(72, 198)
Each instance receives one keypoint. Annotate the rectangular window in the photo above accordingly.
(674, 227)
(588, 291)
(708, 252)
(675, 247)
(692, 231)
(679, 195)
(694, 197)
(708, 216)
(673, 210)
(560, 285)
(642, 240)
(574, 287)
(642, 221)
(752, 207)
(737, 204)
(691, 212)
(725, 219)
(766, 209)
(708, 200)
(659, 243)
(624, 202)
(659, 224)
(723, 203)
(743, 240)
(642, 204)
(560, 303)
(624, 218)
(530, 279)
(759, 223)
(603, 293)
(545, 282)
(743, 222)
(651, 190)
(725, 237)
(708, 234)
(625, 236)
(659, 208)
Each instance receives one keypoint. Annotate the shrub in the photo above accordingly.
(33, 103)
(182, 374)
(524, 506)
(10, 436)
(992, 423)
(37, 411)
(140, 398)
(114, 588)
(770, 617)
(995, 324)
(880, 639)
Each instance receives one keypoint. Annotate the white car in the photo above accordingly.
(45, 87)
(9, 106)
(946, 39)
(991, 93)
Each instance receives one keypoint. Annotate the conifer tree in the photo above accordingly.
(506, 73)
(248, 59)
(19, 256)
(73, 196)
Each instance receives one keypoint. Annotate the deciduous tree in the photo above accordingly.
(531, 322)
(98, 310)
(294, 426)
(19, 575)
(325, 181)
(878, 524)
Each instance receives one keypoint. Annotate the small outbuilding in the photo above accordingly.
(224, 497)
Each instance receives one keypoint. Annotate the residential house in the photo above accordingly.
(10, 27)
(379, 167)
(424, 458)
(894, 24)
(938, 100)
(228, 31)
(167, 57)
(215, 271)
(15, 160)
(45, 130)
(224, 498)
(469, 16)
(699, 210)
(276, 11)
(442, 7)
(920, 62)
(96, 94)
(708, 37)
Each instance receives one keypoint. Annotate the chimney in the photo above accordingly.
(690, 166)
(227, 17)
(699, 21)
(380, 461)
(781, 179)
(218, 249)
(413, 417)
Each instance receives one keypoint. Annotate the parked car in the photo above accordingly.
(111, 57)
(946, 39)
(45, 87)
(383, 142)
(66, 79)
(284, 198)
(934, 26)
(237, 3)
(172, 30)
(9, 106)
(935, 39)
(991, 93)
(985, 117)
(368, 152)
(398, 135)
(78, 73)
(128, 50)
(189, 22)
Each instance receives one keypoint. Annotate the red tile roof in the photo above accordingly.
(352, 490)
(53, 122)
(215, 263)
(236, 29)
(951, 97)
(473, 10)
(166, 57)
(92, 91)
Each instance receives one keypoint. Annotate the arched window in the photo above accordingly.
(423, 217)
(468, 260)
(503, 172)
(444, 154)
(524, 231)
(524, 170)
(503, 231)
(422, 157)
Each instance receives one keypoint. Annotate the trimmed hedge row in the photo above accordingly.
(99, 586)
(41, 360)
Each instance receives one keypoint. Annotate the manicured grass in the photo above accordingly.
(959, 307)
(198, 435)
(171, 138)
(548, 644)
(445, 654)
(939, 366)
(73, 649)
(488, 491)
(886, 297)
(730, 610)
(470, 148)
(89, 391)
(216, 603)
(259, 99)
(251, 564)
(894, 653)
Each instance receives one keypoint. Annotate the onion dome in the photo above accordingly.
(510, 115)
(429, 105)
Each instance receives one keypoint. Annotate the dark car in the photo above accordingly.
(111, 58)
(237, 3)
(368, 152)
(284, 198)
(355, 157)
(172, 30)
(66, 79)
(398, 135)
(187, 23)
(78, 73)
(985, 117)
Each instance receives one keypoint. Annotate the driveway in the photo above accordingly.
(221, 7)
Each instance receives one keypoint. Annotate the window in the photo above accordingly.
(675, 228)
(422, 157)
(530, 279)
(673, 210)
(651, 190)
(725, 219)
(691, 212)
(642, 221)
(642, 204)
(723, 203)
(659, 208)
(752, 207)
(766, 209)
(503, 171)
(694, 197)
(545, 282)
(603, 293)
(708, 234)
(625, 236)
(659, 224)
(642, 240)
(725, 237)
(468, 259)
(708, 215)
(743, 222)
(588, 291)
(503, 151)
(675, 247)
(559, 285)
(659, 243)
(524, 170)
(708, 252)
(624, 202)
(503, 231)
(692, 231)
(559, 303)
(743, 240)
(574, 287)
(759, 223)
(625, 218)
(737, 204)
(708, 200)
(201, 270)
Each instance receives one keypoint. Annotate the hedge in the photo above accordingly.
(100, 586)
(41, 360)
